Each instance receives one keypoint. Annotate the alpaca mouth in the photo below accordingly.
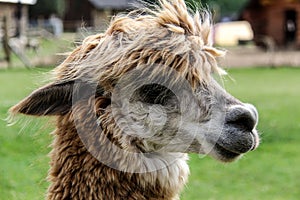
(230, 151)
(224, 154)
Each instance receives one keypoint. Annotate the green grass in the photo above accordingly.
(23, 160)
(270, 172)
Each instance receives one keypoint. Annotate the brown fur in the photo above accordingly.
(168, 36)
(76, 174)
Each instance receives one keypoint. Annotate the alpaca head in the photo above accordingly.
(147, 83)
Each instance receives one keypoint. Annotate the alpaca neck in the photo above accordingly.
(76, 174)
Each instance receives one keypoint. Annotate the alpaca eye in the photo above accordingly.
(153, 94)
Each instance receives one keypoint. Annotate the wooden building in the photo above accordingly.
(93, 13)
(15, 13)
(274, 22)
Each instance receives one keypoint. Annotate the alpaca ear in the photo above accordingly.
(52, 99)
(55, 99)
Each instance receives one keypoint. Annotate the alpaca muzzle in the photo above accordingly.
(240, 135)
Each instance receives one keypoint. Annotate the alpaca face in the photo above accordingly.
(170, 116)
(146, 86)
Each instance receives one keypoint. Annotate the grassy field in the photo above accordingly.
(271, 172)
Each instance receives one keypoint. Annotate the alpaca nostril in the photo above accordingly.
(253, 111)
(242, 116)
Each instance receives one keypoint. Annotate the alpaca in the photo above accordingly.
(132, 102)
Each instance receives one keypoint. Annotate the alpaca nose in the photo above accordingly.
(243, 116)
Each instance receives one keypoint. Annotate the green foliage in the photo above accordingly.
(221, 8)
(227, 7)
(47, 7)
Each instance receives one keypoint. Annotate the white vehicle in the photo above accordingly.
(232, 33)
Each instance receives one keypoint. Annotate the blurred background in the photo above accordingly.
(262, 39)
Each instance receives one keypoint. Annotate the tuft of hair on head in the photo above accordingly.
(197, 25)
(168, 32)
(195, 22)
